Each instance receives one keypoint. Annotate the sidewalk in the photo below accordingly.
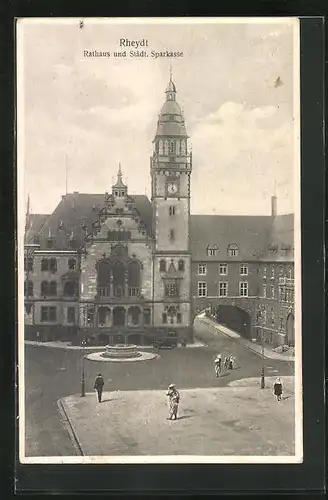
(228, 421)
(68, 346)
(256, 348)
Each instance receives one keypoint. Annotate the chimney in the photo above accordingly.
(274, 206)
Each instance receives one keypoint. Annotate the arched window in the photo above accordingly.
(44, 288)
(72, 264)
(160, 147)
(166, 147)
(103, 274)
(162, 266)
(71, 288)
(233, 250)
(181, 265)
(53, 265)
(212, 250)
(53, 288)
(118, 270)
(172, 147)
(134, 274)
(45, 265)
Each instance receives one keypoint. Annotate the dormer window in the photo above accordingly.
(212, 250)
(233, 250)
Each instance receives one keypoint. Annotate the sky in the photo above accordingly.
(235, 83)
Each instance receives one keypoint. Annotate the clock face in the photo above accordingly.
(172, 188)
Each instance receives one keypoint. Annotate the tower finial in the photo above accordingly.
(170, 72)
(275, 188)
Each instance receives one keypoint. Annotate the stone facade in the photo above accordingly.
(122, 268)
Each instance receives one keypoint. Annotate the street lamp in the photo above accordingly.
(83, 343)
(262, 369)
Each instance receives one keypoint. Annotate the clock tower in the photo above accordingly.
(171, 166)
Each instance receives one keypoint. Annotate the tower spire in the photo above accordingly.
(170, 72)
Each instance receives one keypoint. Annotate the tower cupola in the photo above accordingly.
(119, 189)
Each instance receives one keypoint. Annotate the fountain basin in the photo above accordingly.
(121, 353)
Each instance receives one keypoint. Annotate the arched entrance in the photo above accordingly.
(290, 330)
(235, 318)
(119, 316)
(134, 315)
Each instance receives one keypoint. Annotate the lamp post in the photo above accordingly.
(83, 343)
(262, 369)
(259, 318)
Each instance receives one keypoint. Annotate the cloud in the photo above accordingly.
(242, 156)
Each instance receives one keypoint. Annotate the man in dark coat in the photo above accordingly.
(99, 385)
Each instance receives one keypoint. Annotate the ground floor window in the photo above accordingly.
(146, 316)
(71, 315)
(48, 313)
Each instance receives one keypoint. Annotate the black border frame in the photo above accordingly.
(190, 478)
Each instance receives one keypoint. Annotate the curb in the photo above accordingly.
(70, 427)
(97, 348)
(249, 347)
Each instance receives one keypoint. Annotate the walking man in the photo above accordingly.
(277, 389)
(218, 365)
(174, 400)
(99, 385)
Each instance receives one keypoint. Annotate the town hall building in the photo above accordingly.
(114, 268)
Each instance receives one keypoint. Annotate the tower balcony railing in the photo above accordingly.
(172, 158)
(286, 281)
(134, 291)
(119, 291)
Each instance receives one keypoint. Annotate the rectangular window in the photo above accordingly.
(164, 318)
(202, 269)
(146, 316)
(179, 318)
(223, 269)
(44, 313)
(264, 291)
(202, 289)
(172, 235)
(281, 321)
(48, 313)
(264, 315)
(172, 210)
(28, 264)
(272, 272)
(272, 317)
(243, 289)
(223, 289)
(289, 272)
(273, 292)
(71, 315)
(264, 272)
(244, 269)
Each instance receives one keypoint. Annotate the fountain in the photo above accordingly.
(121, 353)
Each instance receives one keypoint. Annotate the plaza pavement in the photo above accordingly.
(240, 419)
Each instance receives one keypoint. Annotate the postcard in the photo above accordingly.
(158, 180)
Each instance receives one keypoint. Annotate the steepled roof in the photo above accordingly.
(171, 122)
(119, 182)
